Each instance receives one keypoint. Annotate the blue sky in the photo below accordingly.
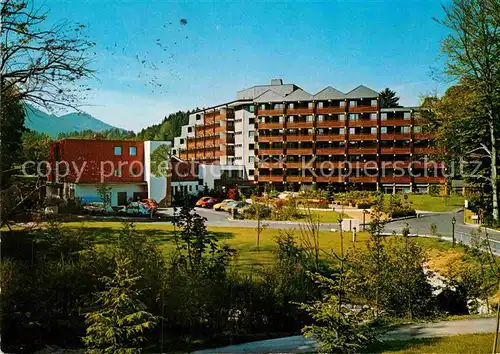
(228, 46)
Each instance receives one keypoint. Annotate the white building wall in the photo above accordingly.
(210, 173)
(90, 190)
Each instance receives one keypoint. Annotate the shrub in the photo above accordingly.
(434, 190)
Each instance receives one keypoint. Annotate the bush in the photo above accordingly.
(435, 190)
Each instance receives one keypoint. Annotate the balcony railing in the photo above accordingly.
(396, 179)
(330, 110)
(330, 179)
(363, 137)
(429, 179)
(395, 164)
(426, 150)
(300, 124)
(303, 179)
(270, 138)
(270, 178)
(295, 111)
(423, 136)
(395, 136)
(395, 122)
(330, 151)
(302, 137)
(331, 124)
(362, 109)
(299, 164)
(395, 150)
(330, 137)
(330, 164)
(270, 112)
(363, 164)
(362, 150)
(422, 164)
(363, 123)
(299, 151)
(267, 164)
(363, 179)
(277, 125)
(273, 151)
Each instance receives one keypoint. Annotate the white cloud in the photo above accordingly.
(130, 111)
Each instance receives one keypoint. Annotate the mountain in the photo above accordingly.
(52, 125)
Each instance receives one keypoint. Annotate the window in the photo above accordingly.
(406, 115)
(321, 118)
(353, 117)
(320, 104)
(341, 117)
(342, 104)
(190, 129)
(251, 159)
(278, 106)
(291, 105)
(373, 102)
(352, 131)
(251, 120)
(251, 108)
(117, 172)
(290, 119)
(310, 105)
(405, 129)
(198, 117)
(373, 116)
(251, 134)
(310, 118)
(238, 145)
(180, 141)
(250, 172)
(383, 116)
(118, 150)
(263, 106)
(383, 130)
(190, 188)
(238, 133)
(373, 130)
(341, 131)
(251, 146)
(132, 151)
(353, 103)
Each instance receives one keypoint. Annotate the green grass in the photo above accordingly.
(324, 216)
(466, 344)
(436, 204)
(244, 240)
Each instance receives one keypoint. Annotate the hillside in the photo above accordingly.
(52, 125)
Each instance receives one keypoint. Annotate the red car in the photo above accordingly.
(206, 202)
(150, 203)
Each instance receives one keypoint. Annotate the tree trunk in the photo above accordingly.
(494, 171)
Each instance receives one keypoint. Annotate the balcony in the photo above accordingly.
(330, 137)
(423, 136)
(270, 178)
(362, 150)
(362, 109)
(330, 151)
(271, 151)
(363, 123)
(426, 150)
(356, 137)
(270, 138)
(430, 179)
(270, 112)
(277, 125)
(220, 129)
(330, 164)
(331, 124)
(422, 164)
(363, 164)
(268, 164)
(395, 136)
(330, 110)
(395, 122)
(302, 137)
(300, 124)
(394, 179)
(330, 179)
(395, 150)
(395, 164)
(301, 179)
(300, 164)
(363, 179)
(299, 111)
(299, 151)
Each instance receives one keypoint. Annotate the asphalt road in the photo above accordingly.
(299, 344)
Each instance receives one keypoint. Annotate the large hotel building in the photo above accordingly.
(282, 135)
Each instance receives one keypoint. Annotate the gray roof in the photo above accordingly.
(362, 92)
(255, 91)
(400, 109)
(329, 93)
(299, 95)
(269, 96)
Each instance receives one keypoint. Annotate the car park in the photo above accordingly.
(222, 204)
(135, 209)
(206, 202)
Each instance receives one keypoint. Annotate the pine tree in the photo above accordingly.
(389, 98)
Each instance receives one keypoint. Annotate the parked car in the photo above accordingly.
(135, 209)
(150, 203)
(238, 206)
(206, 202)
(222, 204)
(97, 208)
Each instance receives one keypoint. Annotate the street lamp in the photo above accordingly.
(453, 222)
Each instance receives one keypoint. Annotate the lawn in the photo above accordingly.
(244, 240)
(436, 204)
(466, 344)
(324, 216)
